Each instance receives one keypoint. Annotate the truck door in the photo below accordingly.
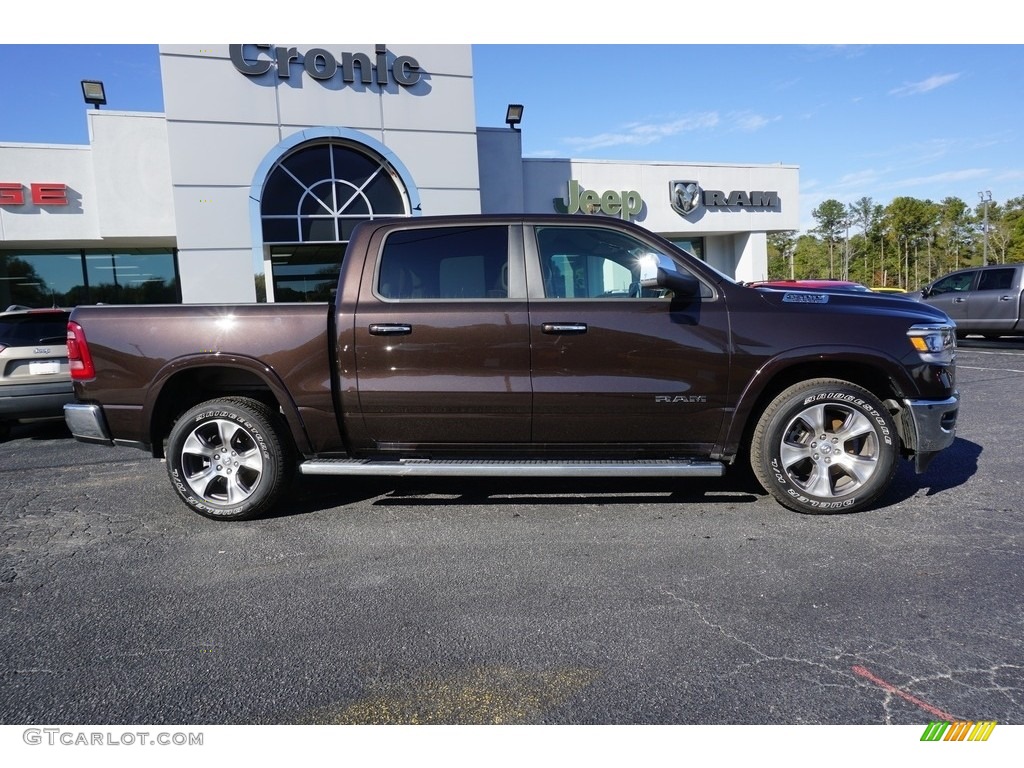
(950, 294)
(442, 342)
(617, 366)
(995, 302)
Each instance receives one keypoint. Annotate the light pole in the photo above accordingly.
(986, 198)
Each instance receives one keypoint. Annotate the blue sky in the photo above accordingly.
(880, 120)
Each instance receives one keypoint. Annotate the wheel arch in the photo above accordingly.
(886, 379)
(186, 382)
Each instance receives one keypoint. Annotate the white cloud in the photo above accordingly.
(642, 134)
(923, 86)
(749, 123)
(945, 177)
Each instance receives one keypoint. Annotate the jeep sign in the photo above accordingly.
(611, 203)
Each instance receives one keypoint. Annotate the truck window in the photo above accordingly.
(593, 263)
(958, 282)
(445, 263)
(996, 280)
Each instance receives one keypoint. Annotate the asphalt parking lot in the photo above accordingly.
(526, 602)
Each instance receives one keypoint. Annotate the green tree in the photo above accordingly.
(860, 214)
(955, 232)
(781, 250)
(831, 218)
(1006, 235)
(911, 223)
(811, 258)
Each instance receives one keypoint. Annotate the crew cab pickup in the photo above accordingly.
(981, 300)
(563, 346)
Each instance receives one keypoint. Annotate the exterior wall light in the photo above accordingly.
(93, 92)
(514, 115)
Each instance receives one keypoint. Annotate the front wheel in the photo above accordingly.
(825, 446)
(229, 459)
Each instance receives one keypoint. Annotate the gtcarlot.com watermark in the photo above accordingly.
(72, 738)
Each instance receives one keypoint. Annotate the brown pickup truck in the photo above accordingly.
(564, 346)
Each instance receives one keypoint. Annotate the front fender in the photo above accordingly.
(862, 364)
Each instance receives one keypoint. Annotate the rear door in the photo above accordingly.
(442, 342)
(618, 368)
(995, 302)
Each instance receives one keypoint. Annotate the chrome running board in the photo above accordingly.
(507, 468)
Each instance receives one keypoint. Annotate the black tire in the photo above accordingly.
(230, 459)
(825, 446)
(5, 430)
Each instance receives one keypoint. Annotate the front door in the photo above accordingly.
(950, 294)
(618, 368)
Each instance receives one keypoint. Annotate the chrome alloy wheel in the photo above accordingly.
(830, 450)
(221, 462)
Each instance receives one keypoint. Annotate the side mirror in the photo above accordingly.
(925, 293)
(684, 286)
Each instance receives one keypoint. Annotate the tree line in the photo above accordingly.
(905, 244)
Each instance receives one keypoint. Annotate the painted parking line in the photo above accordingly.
(890, 688)
(979, 368)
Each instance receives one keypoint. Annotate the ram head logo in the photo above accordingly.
(685, 196)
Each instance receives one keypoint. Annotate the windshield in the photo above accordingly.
(718, 273)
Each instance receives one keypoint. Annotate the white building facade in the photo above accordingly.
(268, 155)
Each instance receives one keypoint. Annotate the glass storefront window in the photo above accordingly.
(40, 280)
(131, 278)
(304, 272)
(68, 278)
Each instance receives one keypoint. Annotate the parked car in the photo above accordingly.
(35, 380)
(981, 300)
(882, 289)
(812, 285)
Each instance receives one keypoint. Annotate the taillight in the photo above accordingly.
(79, 359)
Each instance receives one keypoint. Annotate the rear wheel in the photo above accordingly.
(229, 459)
(825, 446)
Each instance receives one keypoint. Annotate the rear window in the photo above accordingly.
(445, 263)
(996, 280)
(26, 330)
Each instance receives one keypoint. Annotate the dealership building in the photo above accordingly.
(270, 155)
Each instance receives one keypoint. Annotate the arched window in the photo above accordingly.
(312, 199)
(320, 191)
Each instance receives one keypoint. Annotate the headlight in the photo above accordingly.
(936, 343)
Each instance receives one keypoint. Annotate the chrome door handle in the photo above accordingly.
(390, 329)
(563, 328)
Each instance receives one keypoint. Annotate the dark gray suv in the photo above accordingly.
(35, 380)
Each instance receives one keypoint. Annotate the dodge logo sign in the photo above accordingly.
(685, 196)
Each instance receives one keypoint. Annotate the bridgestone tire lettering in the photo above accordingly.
(824, 446)
(230, 459)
